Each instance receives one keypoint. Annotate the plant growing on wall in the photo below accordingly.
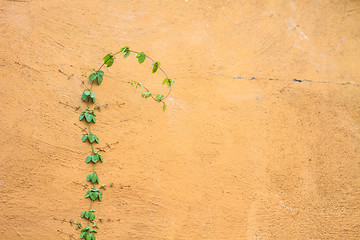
(89, 115)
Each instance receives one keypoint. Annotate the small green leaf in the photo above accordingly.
(101, 73)
(107, 57)
(88, 178)
(92, 76)
(171, 82)
(83, 213)
(96, 139)
(92, 95)
(91, 138)
(91, 216)
(110, 62)
(88, 159)
(124, 49)
(156, 65)
(94, 119)
(100, 78)
(101, 158)
(88, 236)
(159, 97)
(87, 194)
(84, 137)
(83, 97)
(88, 117)
(164, 106)
(93, 178)
(141, 57)
(95, 158)
(100, 197)
(94, 195)
(126, 54)
(87, 214)
(166, 80)
(82, 115)
(92, 236)
(82, 235)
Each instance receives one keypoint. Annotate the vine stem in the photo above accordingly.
(88, 106)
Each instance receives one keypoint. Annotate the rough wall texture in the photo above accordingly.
(231, 158)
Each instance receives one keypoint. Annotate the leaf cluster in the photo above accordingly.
(94, 158)
(97, 75)
(88, 215)
(88, 233)
(126, 51)
(94, 194)
(88, 114)
(109, 60)
(168, 82)
(88, 95)
(91, 137)
(141, 57)
(92, 177)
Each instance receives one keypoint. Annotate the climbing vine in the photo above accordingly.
(89, 115)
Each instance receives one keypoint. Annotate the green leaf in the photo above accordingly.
(96, 139)
(91, 138)
(101, 158)
(95, 158)
(87, 92)
(92, 76)
(126, 54)
(166, 80)
(87, 194)
(92, 96)
(83, 213)
(88, 117)
(110, 62)
(159, 97)
(94, 195)
(88, 159)
(100, 78)
(171, 82)
(107, 57)
(141, 57)
(124, 49)
(143, 94)
(87, 214)
(83, 97)
(156, 65)
(94, 119)
(97, 178)
(91, 216)
(82, 115)
(93, 178)
(88, 236)
(101, 73)
(91, 236)
(164, 106)
(82, 235)
(88, 178)
(84, 137)
(100, 197)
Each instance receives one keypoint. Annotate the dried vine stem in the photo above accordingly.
(88, 233)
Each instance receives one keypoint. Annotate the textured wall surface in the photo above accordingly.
(260, 139)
